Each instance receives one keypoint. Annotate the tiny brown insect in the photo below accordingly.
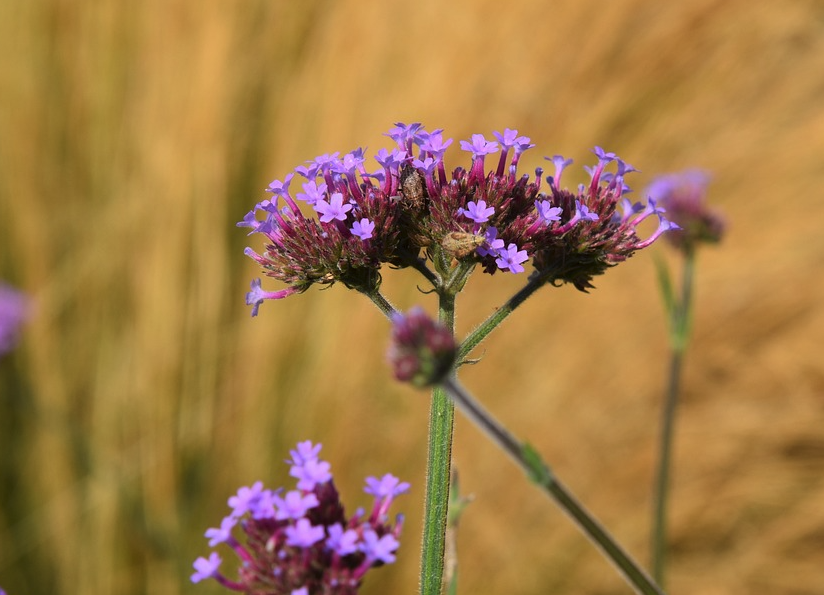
(412, 187)
(460, 244)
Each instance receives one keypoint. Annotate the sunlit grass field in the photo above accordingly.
(134, 135)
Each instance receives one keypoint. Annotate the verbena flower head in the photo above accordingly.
(683, 195)
(301, 542)
(13, 312)
(344, 221)
(422, 351)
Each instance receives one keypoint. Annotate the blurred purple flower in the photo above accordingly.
(14, 309)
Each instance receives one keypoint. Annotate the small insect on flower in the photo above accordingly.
(461, 244)
(412, 188)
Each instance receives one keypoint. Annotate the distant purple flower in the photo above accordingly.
(363, 229)
(301, 591)
(683, 195)
(309, 546)
(303, 534)
(13, 312)
(478, 212)
(206, 567)
(511, 259)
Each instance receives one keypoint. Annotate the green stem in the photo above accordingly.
(525, 456)
(679, 334)
(382, 303)
(439, 463)
(487, 326)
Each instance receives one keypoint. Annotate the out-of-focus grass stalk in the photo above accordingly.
(678, 317)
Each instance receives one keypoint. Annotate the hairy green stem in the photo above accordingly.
(679, 320)
(382, 303)
(439, 464)
(525, 456)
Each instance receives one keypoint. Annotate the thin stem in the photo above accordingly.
(679, 335)
(487, 326)
(439, 464)
(382, 303)
(537, 470)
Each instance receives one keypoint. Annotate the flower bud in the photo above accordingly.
(422, 351)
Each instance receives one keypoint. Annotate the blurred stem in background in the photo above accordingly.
(679, 319)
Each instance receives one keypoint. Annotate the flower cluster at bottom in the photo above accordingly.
(300, 542)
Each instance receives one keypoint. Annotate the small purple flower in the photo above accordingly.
(511, 259)
(294, 505)
(206, 567)
(256, 296)
(342, 542)
(333, 210)
(246, 499)
(279, 188)
(301, 591)
(312, 192)
(478, 212)
(303, 534)
(363, 229)
(560, 165)
(492, 244)
(435, 146)
(584, 213)
(379, 548)
(479, 146)
(546, 212)
(303, 452)
(224, 533)
(388, 485)
(311, 473)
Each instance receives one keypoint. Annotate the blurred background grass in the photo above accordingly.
(134, 135)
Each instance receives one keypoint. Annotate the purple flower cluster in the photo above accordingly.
(410, 206)
(300, 542)
(684, 196)
(13, 311)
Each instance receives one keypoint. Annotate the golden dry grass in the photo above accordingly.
(134, 135)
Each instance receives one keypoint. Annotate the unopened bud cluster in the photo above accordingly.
(422, 351)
